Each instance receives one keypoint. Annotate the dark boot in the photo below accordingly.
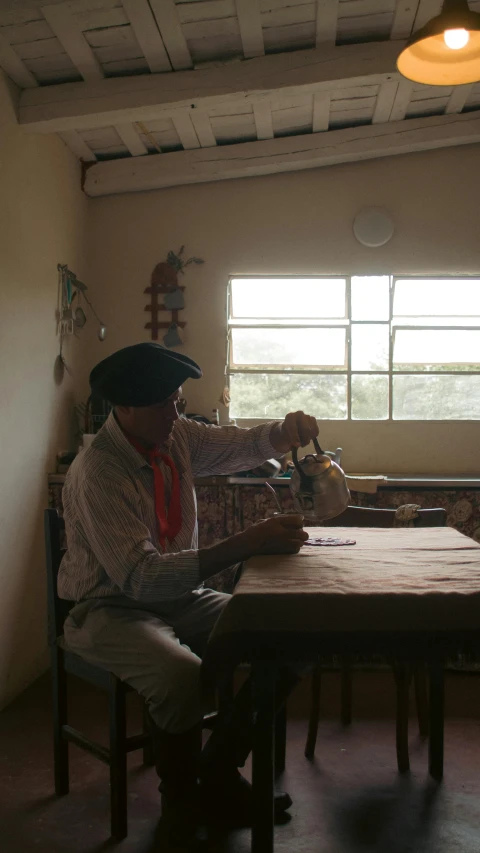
(225, 793)
(227, 798)
(177, 760)
(230, 743)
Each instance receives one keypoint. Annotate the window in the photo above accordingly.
(358, 348)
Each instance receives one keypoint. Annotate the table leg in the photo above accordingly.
(346, 689)
(435, 757)
(421, 696)
(263, 677)
(280, 740)
(401, 672)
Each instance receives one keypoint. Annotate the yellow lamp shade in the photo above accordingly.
(428, 58)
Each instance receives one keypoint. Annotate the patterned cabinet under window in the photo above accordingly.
(226, 509)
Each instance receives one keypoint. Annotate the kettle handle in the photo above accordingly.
(303, 478)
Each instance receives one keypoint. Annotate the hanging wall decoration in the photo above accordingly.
(164, 282)
(71, 317)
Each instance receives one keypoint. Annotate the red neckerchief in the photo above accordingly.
(169, 526)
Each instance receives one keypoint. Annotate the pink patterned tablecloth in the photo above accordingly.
(397, 583)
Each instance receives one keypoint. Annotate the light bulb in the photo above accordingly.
(456, 39)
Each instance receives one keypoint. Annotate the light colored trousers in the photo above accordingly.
(153, 647)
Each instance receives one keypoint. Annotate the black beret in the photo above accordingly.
(141, 375)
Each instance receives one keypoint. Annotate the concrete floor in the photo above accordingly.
(349, 800)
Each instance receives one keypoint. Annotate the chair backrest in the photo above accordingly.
(360, 516)
(58, 608)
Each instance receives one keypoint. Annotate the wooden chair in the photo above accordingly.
(66, 662)
(356, 516)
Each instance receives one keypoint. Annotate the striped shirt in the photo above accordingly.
(113, 546)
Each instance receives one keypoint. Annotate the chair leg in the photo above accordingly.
(314, 712)
(148, 757)
(421, 696)
(118, 759)
(280, 739)
(402, 675)
(435, 757)
(60, 745)
(346, 691)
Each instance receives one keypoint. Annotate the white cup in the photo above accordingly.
(289, 513)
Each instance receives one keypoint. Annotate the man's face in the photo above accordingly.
(150, 424)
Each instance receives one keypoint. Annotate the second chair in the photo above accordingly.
(355, 516)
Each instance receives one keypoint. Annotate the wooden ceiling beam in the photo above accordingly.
(15, 67)
(186, 132)
(458, 98)
(69, 33)
(427, 9)
(327, 21)
(203, 128)
(78, 146)
(385, 101)
(77, 106)
(262, 113)
(294, 153)
(250, 23)
(131, 139)
(166, 16)
(146, 32)
(402, 100)
(404, 19)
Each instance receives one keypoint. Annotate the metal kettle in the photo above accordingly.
(318, 486)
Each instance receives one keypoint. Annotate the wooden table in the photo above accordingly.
(409, 593)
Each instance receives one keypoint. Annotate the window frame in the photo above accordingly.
(348, 323)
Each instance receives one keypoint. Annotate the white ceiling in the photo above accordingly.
(153, 93)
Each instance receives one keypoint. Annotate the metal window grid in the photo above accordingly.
(347, 323)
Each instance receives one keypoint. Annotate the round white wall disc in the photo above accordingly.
(373, 227)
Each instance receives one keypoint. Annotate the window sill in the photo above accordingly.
(395, 481)
(392, 481)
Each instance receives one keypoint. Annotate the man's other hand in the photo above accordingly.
(282, 534)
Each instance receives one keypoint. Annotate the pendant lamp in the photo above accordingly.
(446, 51)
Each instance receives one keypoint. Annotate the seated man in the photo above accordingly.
(133, 565)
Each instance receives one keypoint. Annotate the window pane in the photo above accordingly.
(430, 398)
(262, 395)
(437, 350)
(399, 320)
(445, 298)
(370, 297)
(370, 347)
(369, 397)
(287, 347)
(271, 298)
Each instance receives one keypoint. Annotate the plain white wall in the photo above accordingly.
(298, 223)
(42, 223)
